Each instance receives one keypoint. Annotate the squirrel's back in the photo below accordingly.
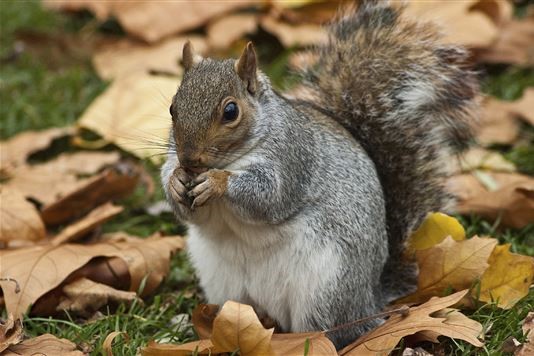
(407, 98)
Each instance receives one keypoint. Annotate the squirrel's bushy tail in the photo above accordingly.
(407, 98)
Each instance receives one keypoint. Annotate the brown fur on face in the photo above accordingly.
(201, 138)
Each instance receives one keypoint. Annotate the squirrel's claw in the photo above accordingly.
(212, 183)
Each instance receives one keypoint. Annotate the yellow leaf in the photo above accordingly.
(435, 228)
(508, 277)
(425, 317)
(237, 327)
(450, 264)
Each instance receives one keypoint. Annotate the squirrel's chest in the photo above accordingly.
(254, 264)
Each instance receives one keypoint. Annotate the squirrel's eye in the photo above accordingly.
(170, 110)
(231, 112)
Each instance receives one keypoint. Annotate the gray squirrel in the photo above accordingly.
(301, 206)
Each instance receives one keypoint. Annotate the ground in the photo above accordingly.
(51, 82)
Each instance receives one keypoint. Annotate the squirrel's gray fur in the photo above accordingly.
(311, 198)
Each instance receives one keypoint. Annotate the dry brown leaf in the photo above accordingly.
(224, 31)
(528, 329)
(507, 279)
(134, 114)
(294, 344)
(462, 21)
(126, 57)
(85, 297)
(108, 341)
(308, 11)
(114, 183)
(152, 21)
(237, 327)
(59, 176)
(46, 344)
(40, 269)
(11, 332)
(524, 107)
(498, 125)
(88, 223)
(480, 158)
(514, 45)
(202, 347)
(20, 219)
(202, 319)
(450, 264)
(17, 149)
(511, 201)
(294, 35)
(383, 339)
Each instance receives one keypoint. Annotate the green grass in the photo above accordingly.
(38, 90)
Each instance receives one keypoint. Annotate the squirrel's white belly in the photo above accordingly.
(267, 266)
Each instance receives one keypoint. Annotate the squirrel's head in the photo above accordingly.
(214, 108)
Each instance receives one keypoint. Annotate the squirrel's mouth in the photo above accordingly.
(196, 170)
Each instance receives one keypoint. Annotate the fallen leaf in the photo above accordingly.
(237, 327)
(507, 279)
(134, 114)
(294, 35)
(528, 329)
(435, 228)
(85, 297)
(453, 324)
(224, 31)
(511, 200)
(294, 344)
(40, 269)
(498, 125)
(11, 332)
(202, 347)
(46, 344)
(462, 22)
(480, 158)
(524, 107)
(126, 57)
(450, 264)
(108, 341)
(514, 44)
(95, 218)
(114, 183)
(20, 219)
(59, 176)
(15, 151)
(152, 21)
(202, 318)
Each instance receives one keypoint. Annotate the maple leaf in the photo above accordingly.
(451, 323)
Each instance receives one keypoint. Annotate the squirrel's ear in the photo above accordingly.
(189, 57)
(246, 67)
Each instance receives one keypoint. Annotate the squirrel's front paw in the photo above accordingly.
(178, 187)
(210, 184)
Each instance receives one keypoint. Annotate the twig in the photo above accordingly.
(404, 311)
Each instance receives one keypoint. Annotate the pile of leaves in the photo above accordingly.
(56, 259)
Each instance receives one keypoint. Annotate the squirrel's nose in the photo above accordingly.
(190, 160)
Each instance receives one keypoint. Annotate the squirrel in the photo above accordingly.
(301, 206)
